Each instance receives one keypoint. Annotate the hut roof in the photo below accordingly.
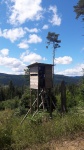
(39, 64)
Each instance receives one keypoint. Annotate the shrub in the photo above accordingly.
(5, 131)
(11, 104)
(2, 107)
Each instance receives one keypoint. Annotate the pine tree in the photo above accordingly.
(79, 9)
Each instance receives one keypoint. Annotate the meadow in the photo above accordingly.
(40, 129)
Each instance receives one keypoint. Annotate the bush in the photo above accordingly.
(5, 131)
(71, 100)
(6, 137)
(25, 99)
(10, 104)
(2, 107)
(21, 111)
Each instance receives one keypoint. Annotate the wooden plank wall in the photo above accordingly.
(34, 70)
(48, 76)
(34, 82)
(34, 77)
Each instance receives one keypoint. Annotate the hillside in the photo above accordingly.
(67, 79)
(20, 80)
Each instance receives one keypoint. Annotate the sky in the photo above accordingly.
(24, 26)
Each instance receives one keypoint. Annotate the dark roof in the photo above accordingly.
(39, 64)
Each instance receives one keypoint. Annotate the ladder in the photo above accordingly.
(43, 101)
(42, 104)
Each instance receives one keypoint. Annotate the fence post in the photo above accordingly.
(63, 97)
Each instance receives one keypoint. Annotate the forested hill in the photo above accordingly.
(20, 80)
(67, 79)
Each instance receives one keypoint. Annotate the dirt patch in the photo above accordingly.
(76, 144)
(70, 143)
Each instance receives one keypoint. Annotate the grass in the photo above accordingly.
(39, 129)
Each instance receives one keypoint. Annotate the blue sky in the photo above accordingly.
(24, 26)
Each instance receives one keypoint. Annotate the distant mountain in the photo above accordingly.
(20, 80)
(67, 79)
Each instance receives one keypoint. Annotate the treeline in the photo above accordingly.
(18, 80)
(21, 80)
(21, 95)
(10, 91)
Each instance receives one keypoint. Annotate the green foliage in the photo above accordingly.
(82, 89)
(52, 38)
(18, 80)
(10, 104)
(71, 100)
(24, 103)
(2, 95)
(79, 9)
(21, 80)
(5, 131)
(6, 137)
(11, 90)
(74, 95)
(40, 129)
(58, 103)
(25, 98)
(2, 107)
(21, 110)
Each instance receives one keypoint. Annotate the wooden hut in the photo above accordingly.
(40, 75)
(41, 79)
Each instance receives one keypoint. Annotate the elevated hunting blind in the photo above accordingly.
(40, 76)
(41, 80)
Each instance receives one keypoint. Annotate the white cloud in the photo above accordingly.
(23, 44)
(16, 65)
(10, 62)
(30, 57)
(17, 33)
(63, 60)
(19, 69)
(35, 30)
(76, 71)
(22, 10)
(33, 38)
(55, 20)
(4, 52)
(13, 34)
(45, 27)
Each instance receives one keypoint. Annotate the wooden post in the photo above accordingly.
(30, 101)
(42, 98)
(63, 97)
(50, 110)
(38, 99)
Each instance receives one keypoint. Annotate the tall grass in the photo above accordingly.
(41, 129)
